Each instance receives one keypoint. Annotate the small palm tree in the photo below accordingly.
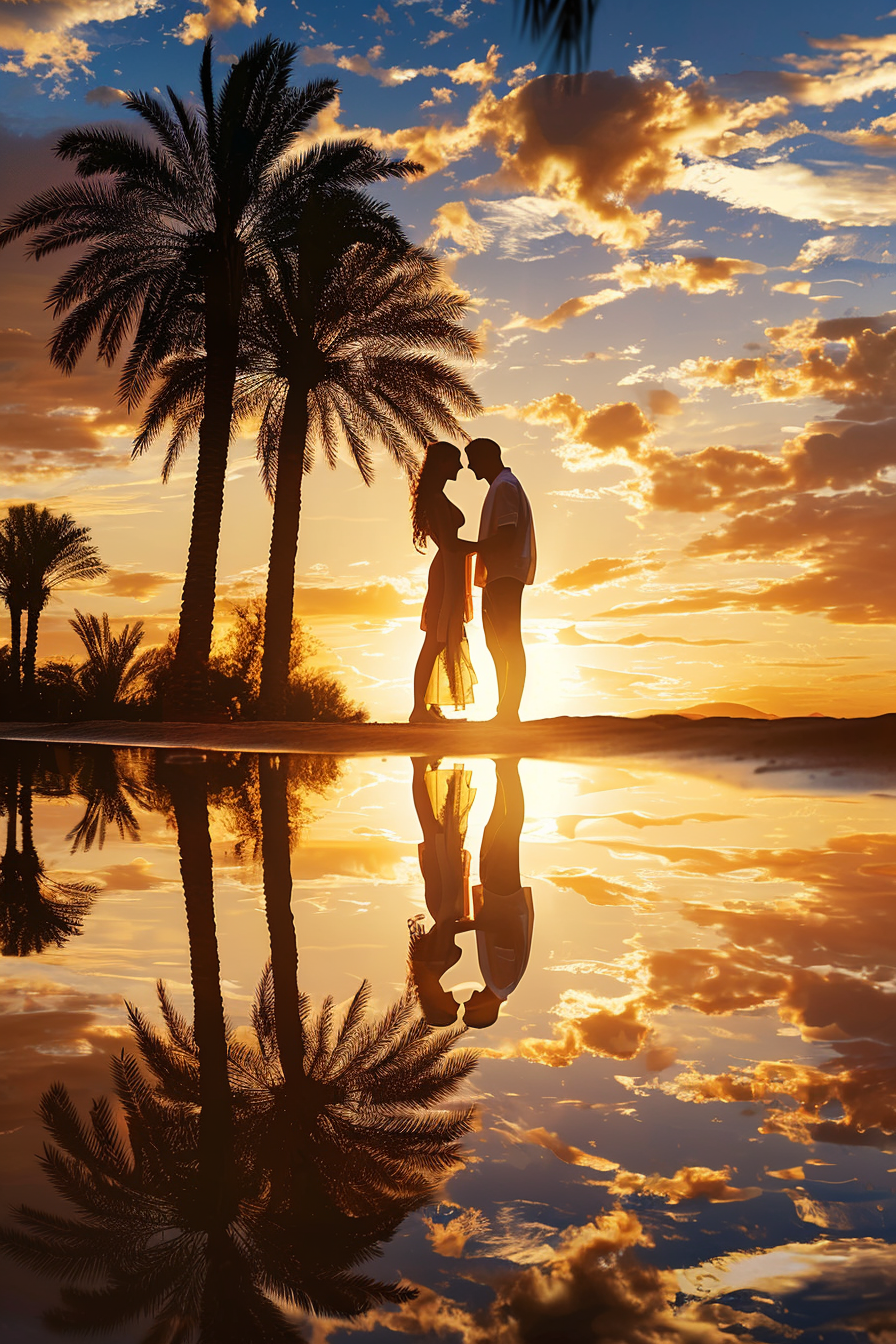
(178, 229)
(54, 551)
(13, 571)
(113, 671)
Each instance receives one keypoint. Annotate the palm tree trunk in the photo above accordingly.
(277, 877)
(29, 661)
(279, 598)
(189, 794)
(12, 805)
(189, 696)
(15, 647)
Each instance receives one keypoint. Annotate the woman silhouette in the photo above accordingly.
(444, 674)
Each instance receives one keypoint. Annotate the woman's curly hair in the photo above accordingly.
(426, 487)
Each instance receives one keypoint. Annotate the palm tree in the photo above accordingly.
(347, 347)
(36, 911)
(52, 550)
(178, 229)
(112, 670)
(12, 590)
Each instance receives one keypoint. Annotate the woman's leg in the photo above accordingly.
(426, 661)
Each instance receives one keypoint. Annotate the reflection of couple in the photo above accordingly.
(505, 563)
(500, 912)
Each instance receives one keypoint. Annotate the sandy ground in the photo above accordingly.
(863, 746)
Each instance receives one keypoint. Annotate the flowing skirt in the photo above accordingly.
(448, 606)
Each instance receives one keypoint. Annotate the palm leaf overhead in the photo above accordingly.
(565, 27)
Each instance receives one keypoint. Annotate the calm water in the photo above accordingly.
(675, 1123)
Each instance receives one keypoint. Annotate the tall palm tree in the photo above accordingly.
(176, 229)
(112, 670)
(12, 590)
(349, 347)
(53, 550)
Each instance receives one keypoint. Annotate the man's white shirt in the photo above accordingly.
(505, 505)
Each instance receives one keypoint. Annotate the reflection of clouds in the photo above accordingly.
(593, 1284)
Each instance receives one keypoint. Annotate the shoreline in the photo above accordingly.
(865, 745)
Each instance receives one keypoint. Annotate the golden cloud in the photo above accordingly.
(140, 585)
(596, 889)
(612, 1028)
(43, 41)
(604, 570)
(862, 381)
(454, 222)
(688, 1183)
(662, 402)
(217, 15)
(594, 1275)
(695, 275)
(576, 307)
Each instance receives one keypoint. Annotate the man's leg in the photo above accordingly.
(502, 602)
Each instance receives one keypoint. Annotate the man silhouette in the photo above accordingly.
(505, 563)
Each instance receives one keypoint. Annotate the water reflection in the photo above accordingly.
(687, 1063)
(499, 909)
(255, 1175)
(36, 910)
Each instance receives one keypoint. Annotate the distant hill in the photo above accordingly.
(725, 709)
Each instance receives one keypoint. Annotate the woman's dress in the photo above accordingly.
(447, 608)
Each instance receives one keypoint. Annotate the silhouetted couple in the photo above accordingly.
(505, 564)
(499, 909)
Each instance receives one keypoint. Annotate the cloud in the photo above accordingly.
(105, 95)
(479, 73)
(140, 585)
(590, 436)
(592, 1284)
(576, 307)
(861, 379)
(605, 570)
(45, 40)
(661, 402)
(695, 275)
(596, 889)
(850, 196)
(612, 1028)
(544, 1138)
(218, 15)
(688, 1183)
(589, 150)
(453, 221)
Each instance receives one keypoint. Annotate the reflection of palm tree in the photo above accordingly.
(564, 24)
(36, 911)
(200, 1218)
(111, 781)
(362, 1088)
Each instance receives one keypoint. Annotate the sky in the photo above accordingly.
(682, 273)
